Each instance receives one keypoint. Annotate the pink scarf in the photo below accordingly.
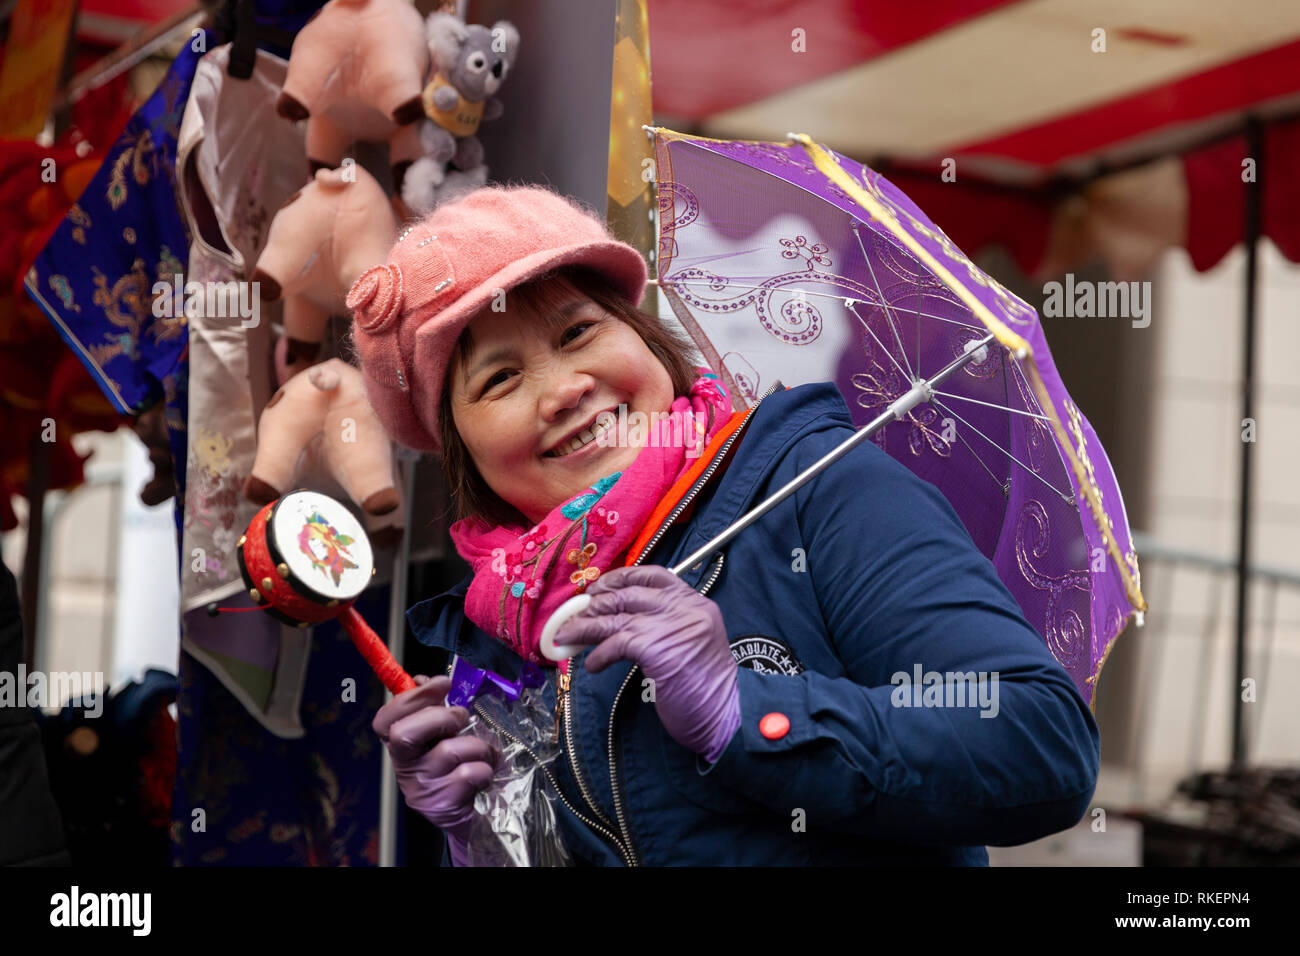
(521, 577)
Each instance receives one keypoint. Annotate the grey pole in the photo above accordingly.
(389, 801)
(1254, 193)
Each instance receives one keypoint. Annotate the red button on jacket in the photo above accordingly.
(774, 726)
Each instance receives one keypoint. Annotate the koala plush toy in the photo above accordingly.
(469, 64)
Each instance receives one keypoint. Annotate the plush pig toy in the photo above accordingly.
(329, 398)
(356, 72)
(321, 240)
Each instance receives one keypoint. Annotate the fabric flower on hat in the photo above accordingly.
(376, 298)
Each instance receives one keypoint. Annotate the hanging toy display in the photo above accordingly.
(306, 559)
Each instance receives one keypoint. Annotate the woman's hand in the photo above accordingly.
(649, 615)
(438, 772)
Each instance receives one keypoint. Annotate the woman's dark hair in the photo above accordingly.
(539, 301)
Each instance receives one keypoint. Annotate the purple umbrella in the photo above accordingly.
(789, 261)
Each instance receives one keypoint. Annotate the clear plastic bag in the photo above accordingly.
(515, 818)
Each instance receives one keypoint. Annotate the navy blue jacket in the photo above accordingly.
(862, 575)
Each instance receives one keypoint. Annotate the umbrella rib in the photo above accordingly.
(1026, 389)
(1001, 408)
(1002, 485)
(918, 320)
(940, 318)
(1055, 490)
(911, 377)
(870, 331)
(1034, 398)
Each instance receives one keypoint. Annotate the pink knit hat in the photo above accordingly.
(444, 270)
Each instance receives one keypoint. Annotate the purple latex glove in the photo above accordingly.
(649, 615)
(438, 772)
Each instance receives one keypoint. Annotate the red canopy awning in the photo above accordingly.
(1035, 106)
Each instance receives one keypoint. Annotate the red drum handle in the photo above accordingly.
(375, 652)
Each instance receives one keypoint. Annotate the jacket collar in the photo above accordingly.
(434, 624)
(781, 420)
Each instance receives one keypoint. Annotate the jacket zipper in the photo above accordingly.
(561, 696)
(717, 570)
(663, 528)
(567, 705)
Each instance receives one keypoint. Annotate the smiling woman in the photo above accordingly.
(499, 330)
(524, 382)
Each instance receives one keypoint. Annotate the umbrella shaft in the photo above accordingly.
(920, 392)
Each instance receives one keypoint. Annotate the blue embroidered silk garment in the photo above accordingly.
(126, 232)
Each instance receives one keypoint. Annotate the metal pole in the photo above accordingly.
(140, 47)
(1254, 192)
(38, 483)
(389, 801)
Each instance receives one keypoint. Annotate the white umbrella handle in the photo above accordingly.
(552, 652)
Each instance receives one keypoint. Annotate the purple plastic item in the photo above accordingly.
(468, 682)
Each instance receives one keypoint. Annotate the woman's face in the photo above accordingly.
(526, 390)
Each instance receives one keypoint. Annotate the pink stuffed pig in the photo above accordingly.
(356, 72)
(328, 398)
(321, 240)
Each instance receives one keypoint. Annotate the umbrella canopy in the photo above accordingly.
(789, 261)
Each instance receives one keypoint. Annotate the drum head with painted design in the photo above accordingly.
(323, 544)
